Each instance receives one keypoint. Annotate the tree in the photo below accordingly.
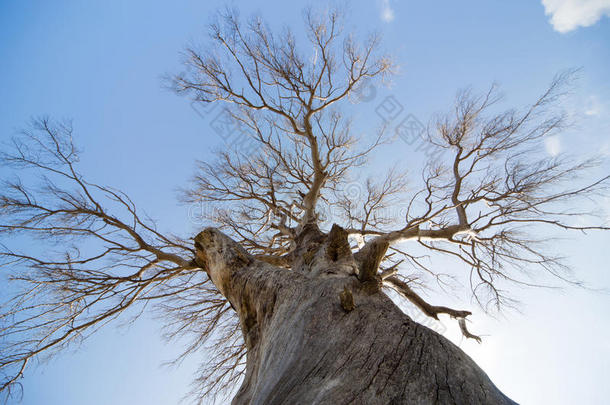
(290, 285)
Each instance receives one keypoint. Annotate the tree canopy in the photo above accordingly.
(483, 199)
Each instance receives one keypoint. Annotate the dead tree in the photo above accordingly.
(293, 300)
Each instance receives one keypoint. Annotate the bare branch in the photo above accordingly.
(87, 264)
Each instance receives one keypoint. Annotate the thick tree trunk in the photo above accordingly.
(326, 337)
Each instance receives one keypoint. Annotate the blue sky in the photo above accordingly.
(101, 64)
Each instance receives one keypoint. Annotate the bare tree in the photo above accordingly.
(292, 305)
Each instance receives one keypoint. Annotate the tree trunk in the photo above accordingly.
(319, 335)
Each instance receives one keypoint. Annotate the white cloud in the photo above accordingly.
(605, 151)
(387, 13)
(594, 107)
(552, 145)
(567, 15)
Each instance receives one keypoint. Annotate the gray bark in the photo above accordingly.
(319, 335)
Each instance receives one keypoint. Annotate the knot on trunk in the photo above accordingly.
(369, 258)
(347, 299)
(337, 246)
(330, 253)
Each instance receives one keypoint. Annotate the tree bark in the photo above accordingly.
(322, 336)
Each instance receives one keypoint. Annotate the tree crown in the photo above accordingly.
(482, 199)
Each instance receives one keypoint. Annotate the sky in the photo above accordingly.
(102, 63)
